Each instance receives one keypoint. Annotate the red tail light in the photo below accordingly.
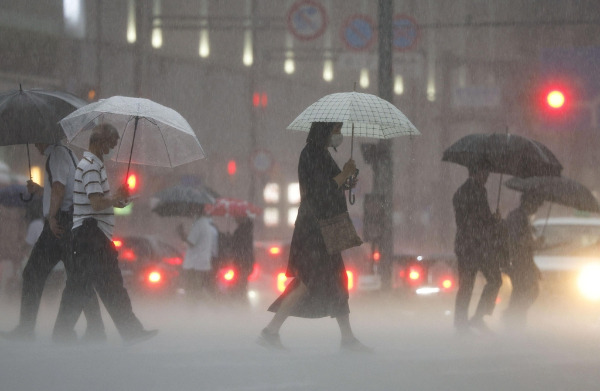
(154, 277)
(415, 274)
(350, 280)
(447, 283)
(175, 261)
(282, 281)
(275, 250)
(227, 275)
(128, 255)
(118, 243)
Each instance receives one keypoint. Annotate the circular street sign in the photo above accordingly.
(405, 32)
(262, 161)
(307, 19)
(358, 32)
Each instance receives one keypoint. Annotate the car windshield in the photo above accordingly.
(568, 239)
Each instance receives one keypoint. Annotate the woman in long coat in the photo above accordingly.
(320, 284)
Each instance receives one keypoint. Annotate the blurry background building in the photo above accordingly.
(241, 71)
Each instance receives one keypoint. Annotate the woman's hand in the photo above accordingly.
(349, 168)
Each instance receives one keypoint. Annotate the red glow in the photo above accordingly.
(175, 261)
(118, 243)
(282, 281)
(231, 167)
(154, 277)
(128, 255)
(376, 256)
(275, 250)
(255, 272)
(414, 275)
(447, 283)
(555, 99)
(256, 99)
(264, 100)
(350, 280)
(229, 275)
(132, 182)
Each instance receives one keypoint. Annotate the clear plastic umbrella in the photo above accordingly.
(150, 133)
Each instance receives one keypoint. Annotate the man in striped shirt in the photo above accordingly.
(95, 257)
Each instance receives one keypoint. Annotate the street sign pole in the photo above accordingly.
(383, 177)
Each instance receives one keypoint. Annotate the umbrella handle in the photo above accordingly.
(26, 199)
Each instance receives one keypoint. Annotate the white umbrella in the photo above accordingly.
(363, 115)
(150, 133)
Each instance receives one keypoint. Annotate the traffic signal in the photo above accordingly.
(260, 99)
(231, 167)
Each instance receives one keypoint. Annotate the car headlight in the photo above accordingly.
(589, 281)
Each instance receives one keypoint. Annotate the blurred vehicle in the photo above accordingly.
(569, 259)
(148, 264)
(432, 274)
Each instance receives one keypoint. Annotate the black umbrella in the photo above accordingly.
(504, 154)
(181, 200)
(31, 116)
(559, 190)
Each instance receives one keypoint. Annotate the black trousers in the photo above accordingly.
(467, 271)
(46, 253)
(96, 269)
(526, 288)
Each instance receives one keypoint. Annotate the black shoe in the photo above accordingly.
(140, 336)
(270, 340)
(18, 334)
(354, 345)
(479, 325)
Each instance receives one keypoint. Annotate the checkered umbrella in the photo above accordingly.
(363, 115)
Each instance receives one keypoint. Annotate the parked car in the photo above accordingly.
(569, 259)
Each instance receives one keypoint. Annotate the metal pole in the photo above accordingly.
(383, 177)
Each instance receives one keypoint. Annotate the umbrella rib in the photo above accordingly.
(121, 138)
(165, 143)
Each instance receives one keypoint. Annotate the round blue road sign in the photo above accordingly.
(358, 32)
(307, 19)
(405, 32)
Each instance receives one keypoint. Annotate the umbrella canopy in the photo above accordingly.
(505, 154)
(181, 200)
(31, 116)
(150, 133)
(231, 207)
(370, 115)
(559, 190)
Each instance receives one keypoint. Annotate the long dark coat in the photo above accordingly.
(323, 274)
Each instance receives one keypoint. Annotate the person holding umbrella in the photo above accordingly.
(53, 244)
(96, 267)
(320, 284)
(476, 228)
(524, 274)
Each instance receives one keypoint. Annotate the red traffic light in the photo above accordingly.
(231, 167)
(260, 99)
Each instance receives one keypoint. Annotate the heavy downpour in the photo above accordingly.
(299, 195)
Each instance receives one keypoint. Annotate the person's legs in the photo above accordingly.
(108, 282)
(466, 280)
(44, 256)
(286, 307)
(487, 302)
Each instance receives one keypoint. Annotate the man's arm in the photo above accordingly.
(99, 201)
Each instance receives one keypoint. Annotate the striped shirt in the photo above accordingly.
(90, 178)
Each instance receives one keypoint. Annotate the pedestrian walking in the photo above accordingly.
(198, 274)
(320, 284)
(95, 259)
(54, 244)
(476, 230)
(243, 253)
(524, 274)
